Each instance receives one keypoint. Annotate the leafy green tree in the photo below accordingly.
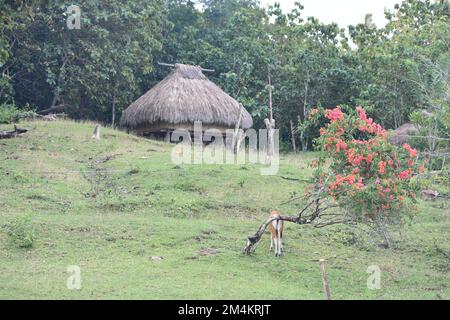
(389, 59)
(91, 69)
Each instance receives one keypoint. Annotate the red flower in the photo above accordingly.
(357, 160)
(341, 145)
(404, 174)
(335, 114)
(369, 125)
(381, 167)
(362, 113)
(350, 179)
(412, 152)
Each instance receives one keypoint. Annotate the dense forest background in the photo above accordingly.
(95, 72)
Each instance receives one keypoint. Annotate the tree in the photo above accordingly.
(359, 178)
(104, 63)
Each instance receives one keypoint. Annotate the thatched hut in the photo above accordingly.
(183, 97)
(400, 135)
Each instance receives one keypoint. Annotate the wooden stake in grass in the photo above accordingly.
(96, 134)
(270, 124)
(237, 139)
(326, 287)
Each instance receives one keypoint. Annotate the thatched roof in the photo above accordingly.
(400, 135)
(185, 96)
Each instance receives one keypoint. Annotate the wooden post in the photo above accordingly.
(96, 134)
(326, 287)
(167, 136)
(293, 131)
(270, 123)
(270, 93)
(236, 136)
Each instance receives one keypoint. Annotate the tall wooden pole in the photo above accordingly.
(270, 123)
(270, 93)
(326, 287)
(236, 136)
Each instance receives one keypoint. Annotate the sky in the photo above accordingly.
(343, 12)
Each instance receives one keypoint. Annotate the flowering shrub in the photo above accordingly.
(361, 171)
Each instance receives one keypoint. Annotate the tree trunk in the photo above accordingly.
(306, 86)
(113, 120)
(383, 232)
(303, 139)
(60, 80)
(293, 131)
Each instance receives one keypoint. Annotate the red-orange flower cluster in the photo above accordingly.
(366, 168)
(412, 152)
(368, 125)
(334, 114)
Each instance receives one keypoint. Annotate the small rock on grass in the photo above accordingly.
(156, 258)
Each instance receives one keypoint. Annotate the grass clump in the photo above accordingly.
(21, 232)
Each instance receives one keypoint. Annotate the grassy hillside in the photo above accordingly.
(109, 206)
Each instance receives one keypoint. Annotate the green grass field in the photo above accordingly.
(109, 206)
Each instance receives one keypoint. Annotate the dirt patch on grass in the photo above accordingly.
(208, 252)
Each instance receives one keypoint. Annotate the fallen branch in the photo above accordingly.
(316, 206)
(12, 134)
(299, 219)
(60, 107)
(294, 179)
(48, 117)
(253, 240)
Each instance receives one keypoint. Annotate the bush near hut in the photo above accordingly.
(370, 178)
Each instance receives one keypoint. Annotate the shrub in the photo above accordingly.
(21, 232)
(433, 136)
(369, 178)
(10, 113)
